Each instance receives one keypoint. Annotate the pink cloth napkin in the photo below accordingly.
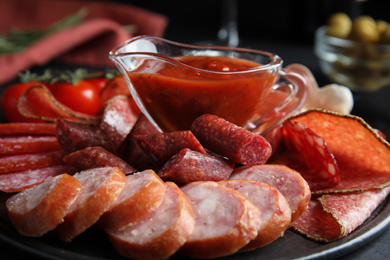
(85, 44)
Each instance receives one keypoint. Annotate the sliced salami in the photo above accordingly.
(141, 195)
(188, 166)
(362, 155)
(28, 144)
(334, 216)
(31, 161)
(92, 157)
(162, 146)
(40, 209)
(19, 181)
(308, 153)
(129, 150)
(225, 221)
(160, 234)
(288, 181)
(230, 140)
(118, 119)
(21, 128)
(74, 136)
(274, 208)
(99, 189)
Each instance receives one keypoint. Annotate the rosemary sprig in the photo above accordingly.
(17, 39)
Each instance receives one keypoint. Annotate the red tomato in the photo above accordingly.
(100, 83)
(81, 97)
(9, 102)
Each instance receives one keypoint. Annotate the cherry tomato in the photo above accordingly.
(9, 102)
(81, 97)
(100, 83)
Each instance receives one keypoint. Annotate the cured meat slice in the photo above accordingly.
(160, 234)
(225, 221)
(21, 128)
(362, 155)
(39, 102)
(31, 161)
(162, 146)
(92, 157)
(19, 181)
(333, 216)
(73, 136)
(40, 209)
(309, 154)
(230, 140)
(188, 166)
(114, 87)
(141, 195)
(28, 144)
(99, 189)
(118, 119)
(288, 181)
(129, 150)
(274, 208)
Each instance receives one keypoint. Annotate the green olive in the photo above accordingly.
(381, 26)
(364, 29)
(339, 25)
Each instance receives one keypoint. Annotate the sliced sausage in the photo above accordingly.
(40, 209)
(162, 146)
(141, 195)
(30, 161)
(22, 180)
(92, 157)
(160, 234)
(188, 166)
(274, 208)
(24, 128)
(289, 182)
(225, 221)
(99, 189)
(28, 144)
(74, 136)
(230, 140)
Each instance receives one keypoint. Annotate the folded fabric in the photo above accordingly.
(85, 44)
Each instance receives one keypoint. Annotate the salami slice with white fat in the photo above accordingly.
(288, 181)
(40, 209)
(141, 195)
(230, 140)
(225, 221)
(161, 233)
(274, 208)
(99, 189)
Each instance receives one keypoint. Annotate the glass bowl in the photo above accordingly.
(363, 67)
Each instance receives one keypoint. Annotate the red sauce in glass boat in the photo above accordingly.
(174, 96)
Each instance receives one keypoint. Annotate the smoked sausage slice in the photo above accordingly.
(189, 166)
(92, 157)
(225, 221)
(99, 189)
(40, 209)
(160, 234)
(274, 208)
(288, 181)
(230, 140)
(142, 194)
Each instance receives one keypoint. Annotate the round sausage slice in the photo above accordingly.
(225, 221)
(141, 195)
(160, 234)
(99, 189)
(289, 182)
(275, 210)
(40, 209)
